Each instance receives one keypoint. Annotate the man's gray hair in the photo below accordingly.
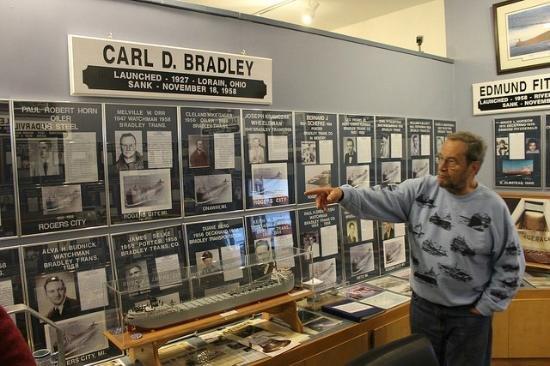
(476, 147)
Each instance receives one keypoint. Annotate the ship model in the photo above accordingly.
(159, 315)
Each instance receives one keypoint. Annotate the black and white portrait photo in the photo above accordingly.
(129, 150)
(43, 157)
(136, 276)
(350, 150)
(199, 156)
(256, 148)
(308, 152)
(208, 262)
(56, 296)
(502, 147)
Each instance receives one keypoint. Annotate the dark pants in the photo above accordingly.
(459, 337)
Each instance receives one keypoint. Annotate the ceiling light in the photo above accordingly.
(309, 13)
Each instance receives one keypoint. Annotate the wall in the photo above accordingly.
(401, 28)
(470, 43)
(310, 72)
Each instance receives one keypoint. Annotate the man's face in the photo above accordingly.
(44, 150)
(134, 272)
(454, 171)
(55, 291)
(349, 146)
(415, 140)
(128, 147)
(255, 142)
(207, 261)
(200, 146)
(532, 146)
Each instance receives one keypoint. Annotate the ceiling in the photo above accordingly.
(330, 15)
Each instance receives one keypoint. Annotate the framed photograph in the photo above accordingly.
(522, 40)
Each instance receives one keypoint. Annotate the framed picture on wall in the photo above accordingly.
(522, 36)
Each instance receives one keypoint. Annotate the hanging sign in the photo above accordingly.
(111, 68)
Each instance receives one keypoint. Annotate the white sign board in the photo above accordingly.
(111, 68)
(512, 95)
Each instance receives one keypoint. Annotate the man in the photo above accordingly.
(350, 157)
(63, 306)
(199, 157)
(415, 145)
(256, 152)
(264, 259)
(478, 266)
(502, 147)
(208, 265)
(388, 231)
(384, 148)
(45, 165)
(129, 158)
(532, 147)
(135, 278)
(351, 232)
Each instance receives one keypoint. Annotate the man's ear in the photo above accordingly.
(476, 165)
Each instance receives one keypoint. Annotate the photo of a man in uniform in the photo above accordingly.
(350, 155)
(44, 162)
(62, 306)
(129, 157)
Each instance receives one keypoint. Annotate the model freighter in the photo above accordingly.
(162, 315)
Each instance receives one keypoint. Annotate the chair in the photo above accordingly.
(413, 350)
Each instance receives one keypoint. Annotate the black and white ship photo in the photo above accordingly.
(361, 258)
(394, 251)
(317, 176)
(145, 190)
(269, 181)
(61, 199)
(212, 189)
(358, 176)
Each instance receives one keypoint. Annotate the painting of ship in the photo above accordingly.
(477, 222)
(159, 315)
(424, 200)
(442, 222)
(455, 273)
(428, 277)
(433, 249)
(459, 245)
(138, 196)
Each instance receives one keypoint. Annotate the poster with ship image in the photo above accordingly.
(216, 252)
(420, 147)
(11, 286)
(316, 152)
(269, 158)
(59, 166)
(7, 190)
(151, 266)
(517, 149)
(361, 249)
(319, 233)
(394, 246)
(271, 239)
(356, 150)
(390, 150)
(142, 156)
(66, 282)
(212, 164)
(442, 129)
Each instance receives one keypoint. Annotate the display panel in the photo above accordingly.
(212, 164)
(7, 192)
(216, 254)
(356, 150)
(441, 130)
(148, 263)
(517, 149)
(11, 286)
(59, 166)
(142, 155)
(547, 152)
(361, 249)
(394, 246)
(269, 158)
(320, 235)
(420, 151)
(66, 282)
(390, 150)
(316, 152)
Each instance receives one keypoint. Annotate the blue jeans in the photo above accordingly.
(459, 338)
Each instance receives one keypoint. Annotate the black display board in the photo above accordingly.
(320, 234)
(72, 276)
(390, 150)
(151, 264)
(11, 286)
(7, 192)
(143, 161)
(316, 152)
(356, 150)
(212, 164)
(518, 152)
(420, 147)
(59, 166)
(361, 249)
(269, 158)
(271, 239)
(394, 246)
(217, 252)
(547, 130)
(441, 130)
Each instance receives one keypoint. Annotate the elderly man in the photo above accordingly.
(129, 158)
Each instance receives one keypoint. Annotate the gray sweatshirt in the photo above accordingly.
(464, 249)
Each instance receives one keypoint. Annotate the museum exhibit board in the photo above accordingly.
(271, 241)
(390, 150)
(143, 162)
(66, 282)
(356, 133)
(60, 171)
(319, 234)
(150, 264)
(517, 151)
(7, 190)
(420, 151)
(212, 164)
(547, 151)
(441, 130)
(361, 248)
(316, 152)
(268, 141)
(217, 251)
(394, 245)
(11, 285)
